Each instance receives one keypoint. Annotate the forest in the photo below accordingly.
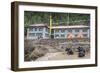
(31, 17)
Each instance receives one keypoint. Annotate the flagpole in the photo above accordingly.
(50, 25)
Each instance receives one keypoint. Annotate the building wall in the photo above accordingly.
(37, 33)
(62, 33)
(43, 32)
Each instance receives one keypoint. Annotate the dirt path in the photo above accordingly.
(60, 56)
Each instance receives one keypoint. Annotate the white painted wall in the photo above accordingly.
(5, 37)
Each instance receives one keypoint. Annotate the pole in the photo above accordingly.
(50, 25)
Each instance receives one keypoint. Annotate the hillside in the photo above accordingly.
(57, 18)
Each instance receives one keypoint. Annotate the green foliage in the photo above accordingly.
(57, 18)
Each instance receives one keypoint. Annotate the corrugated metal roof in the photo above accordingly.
(37, 25)
(75, 26)
(60, 26)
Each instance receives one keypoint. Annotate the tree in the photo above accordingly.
(31, 17)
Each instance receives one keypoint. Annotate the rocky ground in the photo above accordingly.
(37, 50)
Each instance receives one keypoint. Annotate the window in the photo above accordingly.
(47, 30)
(84, 30)
(62, 35)
(76, 30)
(46, 35)
(56, 35)
(35, 29)
(39, 34)
(75, 35)
(32, 34)
(69, 30)
(40, 29)
(62, 30)
(85, 35)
